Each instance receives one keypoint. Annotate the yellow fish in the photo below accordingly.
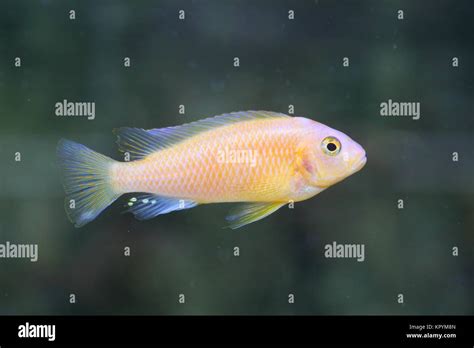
(262, 158)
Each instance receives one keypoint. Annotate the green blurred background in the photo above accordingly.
(282, 62)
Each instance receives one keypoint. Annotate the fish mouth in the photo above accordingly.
(360, 164)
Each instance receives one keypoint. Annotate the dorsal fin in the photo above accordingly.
(140, 142)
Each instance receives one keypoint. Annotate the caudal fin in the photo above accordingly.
(86, 181)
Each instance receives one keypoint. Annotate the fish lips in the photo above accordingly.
(359, 164)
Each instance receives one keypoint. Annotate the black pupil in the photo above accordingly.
(331, 147)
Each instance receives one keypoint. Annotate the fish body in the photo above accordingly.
(245, 162)
(262, 158)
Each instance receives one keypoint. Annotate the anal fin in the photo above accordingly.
(148, 206)
(251, 212)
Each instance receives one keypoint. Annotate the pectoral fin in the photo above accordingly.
(251, 212)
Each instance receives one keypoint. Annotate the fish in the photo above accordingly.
(261, 160)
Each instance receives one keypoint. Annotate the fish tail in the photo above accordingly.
(86, 179)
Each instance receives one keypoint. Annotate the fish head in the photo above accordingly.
(328, 155)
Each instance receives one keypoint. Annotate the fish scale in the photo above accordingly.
(191, 169)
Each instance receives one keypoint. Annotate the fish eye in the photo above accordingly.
(331, 146)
